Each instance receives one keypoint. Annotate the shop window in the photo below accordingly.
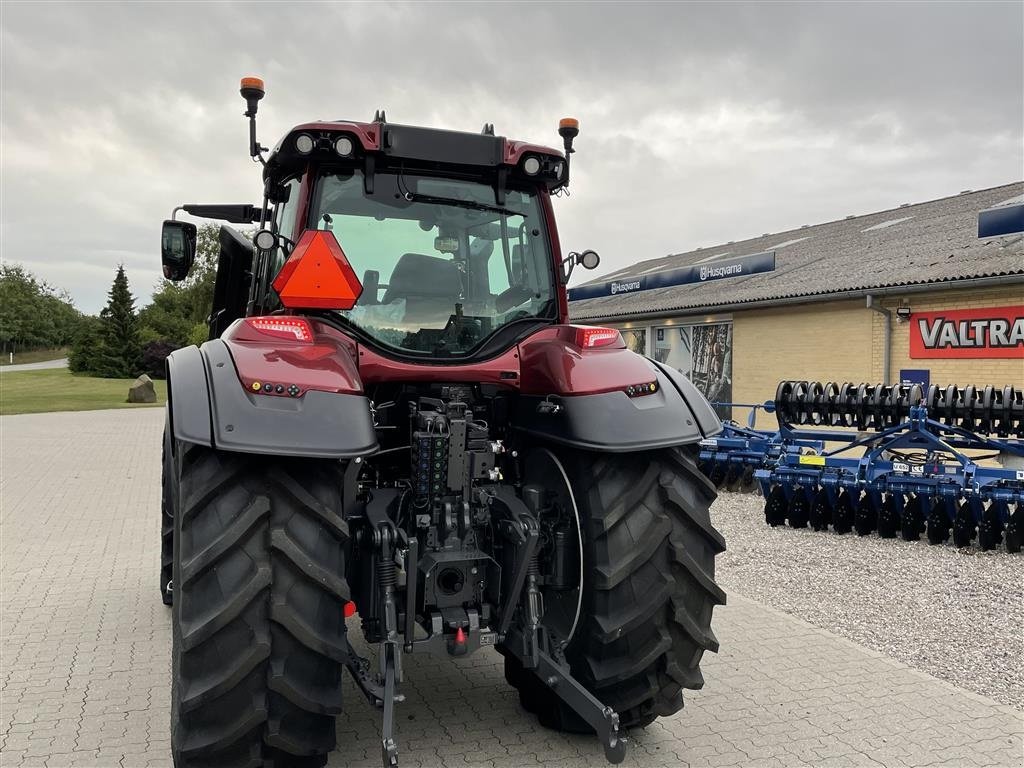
(702, 353)
(636, 339)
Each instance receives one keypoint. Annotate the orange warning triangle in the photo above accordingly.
(317, 275)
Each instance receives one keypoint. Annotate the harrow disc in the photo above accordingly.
(890, 516)
(799, 509)
(912, 521)
(821, 511)
(775, 507)
(1015, 530)
(991, 410)
(842, 513)
(963, 525)
(938, 523)
(748, 483)
(716, 474)
(990, 530)
(866, 519)
(732, 477)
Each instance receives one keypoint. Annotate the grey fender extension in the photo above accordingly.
(210, 407)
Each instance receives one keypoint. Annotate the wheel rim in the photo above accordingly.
(561, 606)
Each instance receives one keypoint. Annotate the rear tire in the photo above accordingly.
(166, 516)
(258, 627)
(648, 587)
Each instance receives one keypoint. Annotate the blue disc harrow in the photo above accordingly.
(946, 463)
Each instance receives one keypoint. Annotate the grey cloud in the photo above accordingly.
(701, 122)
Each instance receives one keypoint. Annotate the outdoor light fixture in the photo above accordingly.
(902, 313)
(304, 143)
(343, 146)
(265, 240)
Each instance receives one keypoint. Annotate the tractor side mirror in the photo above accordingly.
(177, 249)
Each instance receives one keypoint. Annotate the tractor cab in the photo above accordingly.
(431, 244)
(440, 267)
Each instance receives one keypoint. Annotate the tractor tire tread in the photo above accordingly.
(649, 588)
(253, 539)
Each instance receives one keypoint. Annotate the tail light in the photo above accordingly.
(590, 337)
(282, 327)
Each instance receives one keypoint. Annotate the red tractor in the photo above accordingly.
(394, 419)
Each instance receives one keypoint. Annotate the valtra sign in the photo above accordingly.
(968, 333)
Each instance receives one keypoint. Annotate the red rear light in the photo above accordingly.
(281, 327)
(591, 338)
(317, 275)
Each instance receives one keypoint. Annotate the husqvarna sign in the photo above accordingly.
(695, 273)
(625, 286)
(968, 333)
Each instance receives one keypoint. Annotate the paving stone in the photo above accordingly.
(84, 656)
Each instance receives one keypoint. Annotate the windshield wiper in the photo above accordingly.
(416, 197)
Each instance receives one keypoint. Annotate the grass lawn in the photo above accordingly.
(58, 390)
(35, 356)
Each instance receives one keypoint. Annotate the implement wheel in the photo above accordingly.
(912, 521)
(820, 513)
(890, 515)
(1015, 530)
(963, 525)
(775, 507)
(990, 530)
(648, 583)
(799, 509)
(866, 518)
(259, 594)
(842, 513)
(938, 523)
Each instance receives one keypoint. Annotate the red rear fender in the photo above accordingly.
(290, 368)
(553, 363)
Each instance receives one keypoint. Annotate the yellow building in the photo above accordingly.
(908, 294)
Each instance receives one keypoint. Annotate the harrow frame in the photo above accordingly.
(914, 474)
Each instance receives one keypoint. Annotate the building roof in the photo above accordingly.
(933, 242)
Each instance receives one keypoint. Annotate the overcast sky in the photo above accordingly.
(700, 123)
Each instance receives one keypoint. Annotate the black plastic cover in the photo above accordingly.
(231, 286)
(613, 422)
(707, 419)
(415, 143)
(236, 214)
(188, 399)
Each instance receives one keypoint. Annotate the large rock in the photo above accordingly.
(142, 390)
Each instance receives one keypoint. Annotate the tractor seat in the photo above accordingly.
(430, 287)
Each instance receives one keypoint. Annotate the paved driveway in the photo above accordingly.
(85, 646)
(61, 363)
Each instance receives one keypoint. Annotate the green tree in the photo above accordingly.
(121, 351)
(86, 346)
(33, 314)
(177, 308)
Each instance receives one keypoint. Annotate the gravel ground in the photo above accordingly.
(955, 614)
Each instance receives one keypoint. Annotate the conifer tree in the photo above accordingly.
(121, 353)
